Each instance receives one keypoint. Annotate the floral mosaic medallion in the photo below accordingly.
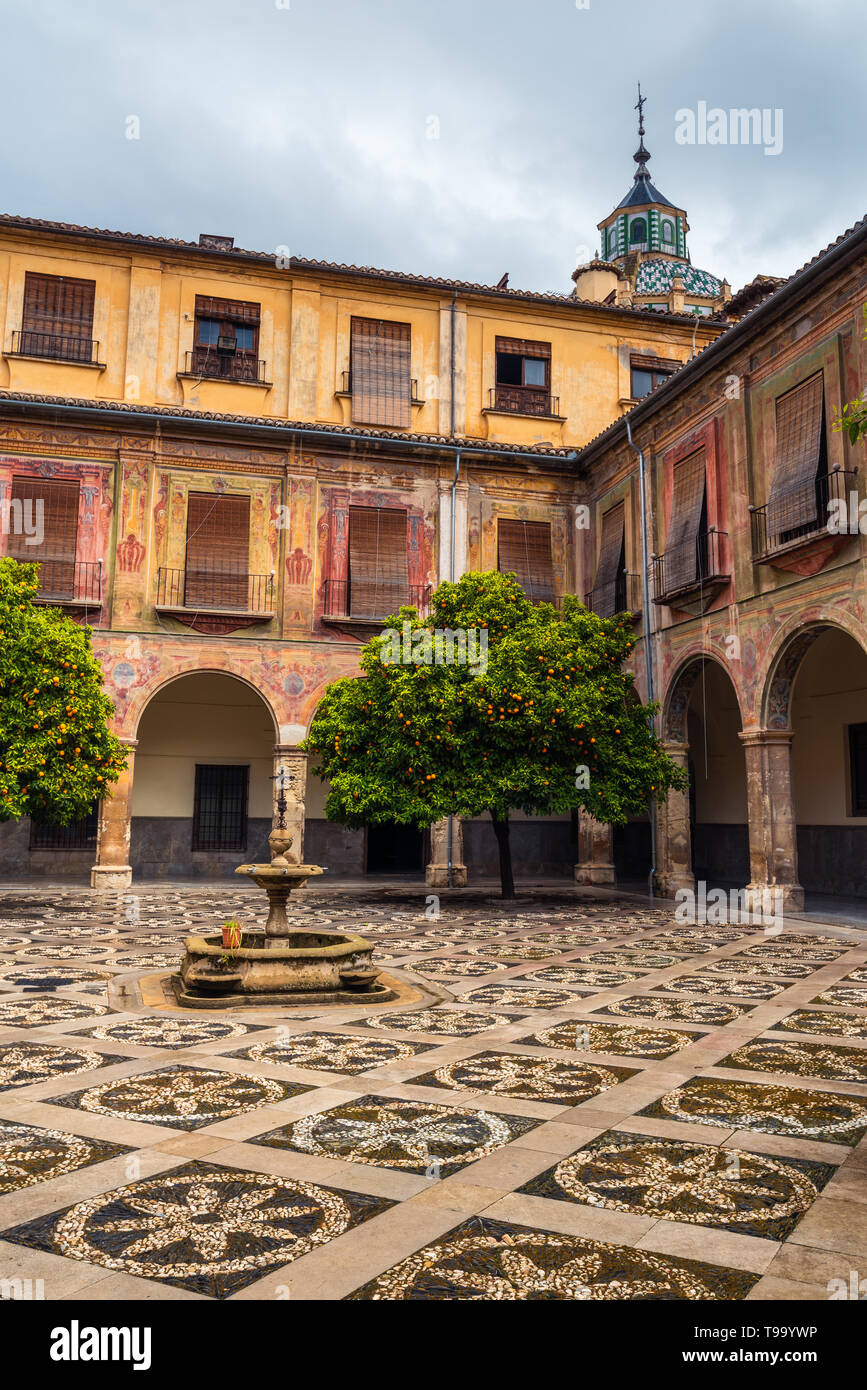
(457, 969)
(813, 1021)
(853, 996)
(857, 976)
(397, 945)
(21, 1011)
(70, 933)
(619, 1039)
(519, 996)
(29, 1154)
(809, 950)
(209, 1229)
(739, 969)
(490, 1260)
(341, 1052)
(800, 1059)
(682, 941)
(64, 953)
(710, 1100)
(525, 1078)
(25, 1064)
(584, 975)
(466, 933)
(452, 1023)
(181, 1097)
(672, 1010)
(156, 939)
(568, 940)
(146, 960)
(52, 976)
(410, 1135)
(642, 959)
(672, 1179)
(513, 950)
(22, 921)
(167, 1032)
(722, 984)
(11, 942)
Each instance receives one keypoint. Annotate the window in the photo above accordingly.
(638, 231)
(226, 339)
(378, 576)
(524, 549)
(79, 834)
(58, 504)
(858, 768)
(523, 376)
(609, 586)
(220, 808)
(647, 373)
(685, 558)
(667, 231)
(57, 319)
(800, 461)
(379, 372)
(217, 552)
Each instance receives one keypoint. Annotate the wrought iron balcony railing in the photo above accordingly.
(222, 366)
(524, 400)
(622, 595)
(685, 568)
(70, 581)
(217, 589)
(373, 601)
(801, 514)
(61, 347)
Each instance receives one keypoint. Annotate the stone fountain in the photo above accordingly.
(280, 964)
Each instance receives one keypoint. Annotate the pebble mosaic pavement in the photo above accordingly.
(590, 1101)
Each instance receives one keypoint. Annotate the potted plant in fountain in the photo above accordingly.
(232, 934)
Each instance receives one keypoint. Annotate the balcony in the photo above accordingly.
(346, 388)
(628, 596)
(524, 400)
(368, 605)
(217, 600)
(70, 583)
(57, 347)
(792, 532)
(212, 364)
(689, 576)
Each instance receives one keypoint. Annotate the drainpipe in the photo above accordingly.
(451, 830)
(648, 660)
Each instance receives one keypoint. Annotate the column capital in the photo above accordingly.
(674, 749)
(765, 737)
(285, 750)
(128, 742)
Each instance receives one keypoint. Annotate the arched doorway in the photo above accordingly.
(202, 792)
(818, 692)
(703, 833)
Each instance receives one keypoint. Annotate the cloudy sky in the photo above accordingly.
(462, 138)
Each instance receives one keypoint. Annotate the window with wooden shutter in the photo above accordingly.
(858, 769)
(218, 551)
(799, 458)
(226, 340)
(378, 574)
(57, 502)
(380, 368)
(523, 376)
(57, 319)
(687, 527)
(220, 808)
(524, 549)
(609, 596)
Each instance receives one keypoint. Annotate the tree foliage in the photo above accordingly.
(852, 419)
(551, 725)
(57, 756)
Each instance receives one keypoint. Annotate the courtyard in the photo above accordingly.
(571, 1097)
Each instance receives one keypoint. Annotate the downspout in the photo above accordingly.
(648, 660)
(450, 880)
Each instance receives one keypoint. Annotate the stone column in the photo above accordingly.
(293, 764)
(437, 871)
(112, 870)
(771, 812)
(595, 851)
(673, 837)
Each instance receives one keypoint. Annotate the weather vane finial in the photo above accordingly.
(641, 155)
(639, 107)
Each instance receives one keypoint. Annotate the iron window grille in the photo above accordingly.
(78, 835)
(220, 808)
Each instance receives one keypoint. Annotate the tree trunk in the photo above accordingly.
(501, 830)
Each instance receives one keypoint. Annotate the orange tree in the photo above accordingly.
(57, 756)
(545, 721)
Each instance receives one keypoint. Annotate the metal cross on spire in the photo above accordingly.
(639, 107)
(641, 155)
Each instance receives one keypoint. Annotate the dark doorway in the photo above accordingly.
(395, 849)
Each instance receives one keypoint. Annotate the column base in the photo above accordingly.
(111, 877)
(437, 876)
(589, 874)
(669, 885)
(791, 895)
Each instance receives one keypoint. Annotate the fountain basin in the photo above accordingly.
(299, 968)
